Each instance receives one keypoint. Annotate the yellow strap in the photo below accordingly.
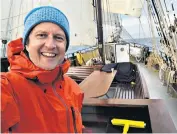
(79, 58)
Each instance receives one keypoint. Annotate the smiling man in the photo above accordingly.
(36, 95)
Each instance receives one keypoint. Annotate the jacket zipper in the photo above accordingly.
(74, 119)
(67, 109)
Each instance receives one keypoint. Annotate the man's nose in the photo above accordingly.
(50, 42)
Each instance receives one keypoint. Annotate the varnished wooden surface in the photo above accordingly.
(97, 84)
(161, 121)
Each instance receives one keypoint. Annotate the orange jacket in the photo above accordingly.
(36, 100)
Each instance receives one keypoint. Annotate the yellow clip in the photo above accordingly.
(127, 124)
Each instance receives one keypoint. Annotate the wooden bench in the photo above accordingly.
(79, 73)
(97, 84)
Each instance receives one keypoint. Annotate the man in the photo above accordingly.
(36, 96)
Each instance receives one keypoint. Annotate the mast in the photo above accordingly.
(100, 29)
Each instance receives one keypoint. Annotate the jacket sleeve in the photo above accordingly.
(9, 110)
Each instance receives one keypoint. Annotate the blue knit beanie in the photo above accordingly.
(45, 14)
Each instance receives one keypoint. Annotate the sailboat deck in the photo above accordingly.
(124, 91)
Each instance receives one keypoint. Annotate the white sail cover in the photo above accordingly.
(79, 12)
(126, 7)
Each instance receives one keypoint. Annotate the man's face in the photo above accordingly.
(47, 44)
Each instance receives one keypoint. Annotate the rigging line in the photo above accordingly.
(125, 33)
(155, 20)
(166, 6)
(11, 3)
(120, 19)
(152, 30)
(162, 15)
(173, 9)
(117, 19)
(110, 16)
(104, 19)
(94, 10)
(163, 21)
(19, 16)
(158, 18)
(117, 24)
(128, 34)
(145, 16)
(139, 28)
(13, 28)
(10, 26)
(162, 11)
(96, 13)
(142, 27)
(14, 16)
(157, 24)
(107, 14)
(148, 17)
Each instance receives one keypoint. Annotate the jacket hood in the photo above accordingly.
(20, 63)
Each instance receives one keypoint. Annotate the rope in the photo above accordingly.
(123, 28)
(104, 18)
(165, 6)
(19, 16)
(14, 16)
(8, 24)
(110, 16)
(13, 28)
(139, 28)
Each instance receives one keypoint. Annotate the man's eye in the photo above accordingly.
(42, 35)
(59, 38)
